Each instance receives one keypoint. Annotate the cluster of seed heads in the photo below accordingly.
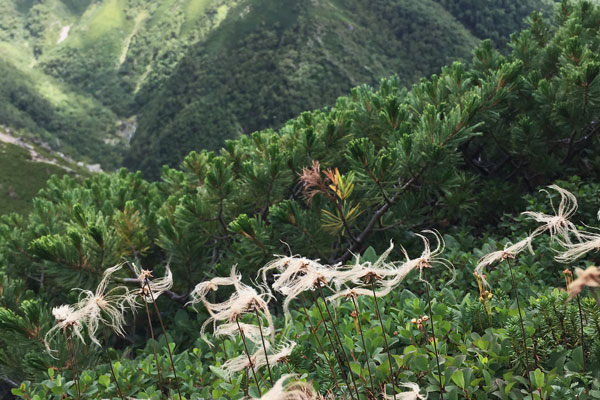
(294, 275)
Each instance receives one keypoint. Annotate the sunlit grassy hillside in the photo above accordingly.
(23, 177)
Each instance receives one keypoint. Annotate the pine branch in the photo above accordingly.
(360, 239)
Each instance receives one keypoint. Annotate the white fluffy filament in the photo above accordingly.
(245, 299)
(296, 275)
(151, 289)
(291, 391)
(92, 308)
(251, 332)
(413, 394)
(588, 241)
(557, 225)
(107, 307)
(510, 251)
(359, 273)
(428, 259)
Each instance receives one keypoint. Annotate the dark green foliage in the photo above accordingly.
(279, 59)
(109, 218)
(436, 155)
(21, 106)
(489, 362)
(493, 19)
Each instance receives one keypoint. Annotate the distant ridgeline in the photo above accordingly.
(196, 73)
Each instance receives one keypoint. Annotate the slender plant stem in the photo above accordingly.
(337, 335)
(535, 353)
(247, 384)
(112, 372)
(248, 354)
(160, 379)
(164, 331)
(224, 354)
(596, 297)
(320, 347)
(363, 342)
(73, 364)
(562, 324)
(387, 347)
(437, 356)
(581, 326)
(222, 349)
(289, 368)
(520, 317)
(264, 345)
(337, 358)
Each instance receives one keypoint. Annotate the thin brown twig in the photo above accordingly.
(112, 372)
(520, 317)
(363, 342)
(264, 345)
(437, 357)
(72, 356)
(337, 335)
(387, 347)
(162, 326)
(248, 355)
(337, 358)
(320, 347)
(160, 380)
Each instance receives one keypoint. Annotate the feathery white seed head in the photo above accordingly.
(102, 306)
(151, 289)
(558, 224)
(413, 394)
(428, 259)
(510, 251)
(366, 272)
(589, 241)
(245, 299)
(91, 309)
(68, 322)
(290, 391)
(296, 275)
(251, 332)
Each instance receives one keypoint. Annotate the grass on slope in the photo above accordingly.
(21, 178)
(107, 18)
(68, 121)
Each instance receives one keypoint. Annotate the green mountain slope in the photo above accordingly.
(117, 46)
(37, 105)
(26, 167)
(197, 72)
(493, 19)
(71, 69)
(270, 60)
